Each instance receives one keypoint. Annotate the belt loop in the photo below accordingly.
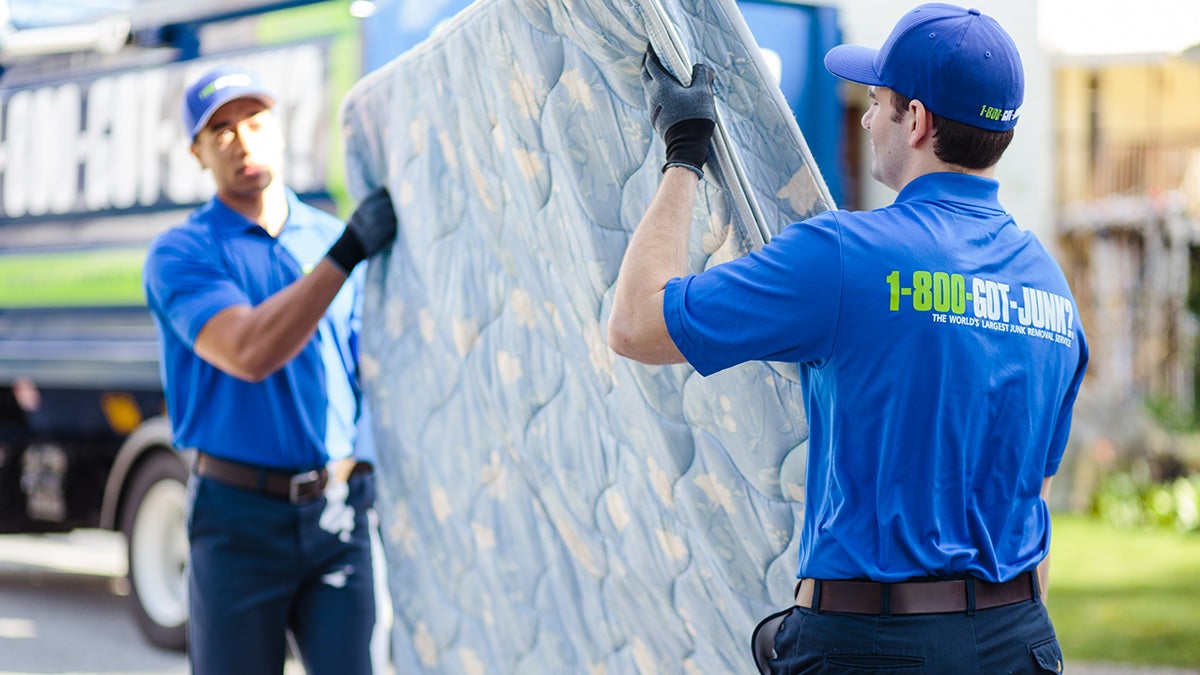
(1033, 586)
(262, 480)
(885, 600)
(969, 585)
(816, 600)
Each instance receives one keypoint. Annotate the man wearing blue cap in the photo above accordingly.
(257, 299)
(940, 355)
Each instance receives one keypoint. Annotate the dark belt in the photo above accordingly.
(914, 597)
(296, 488)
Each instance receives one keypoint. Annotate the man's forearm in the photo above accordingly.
(1043, 568)
(1043, 572)
(253, 342)
(657, 253)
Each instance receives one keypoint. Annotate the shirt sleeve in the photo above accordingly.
(780, 303)
(1058, 444)
(187, 284)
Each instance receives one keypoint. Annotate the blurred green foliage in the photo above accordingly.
(1171, 415)
(1126, 500)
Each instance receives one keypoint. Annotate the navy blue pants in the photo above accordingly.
(1016, 638)
(260, 565)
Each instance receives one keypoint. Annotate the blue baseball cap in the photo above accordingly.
(960, 63)
(216, 88)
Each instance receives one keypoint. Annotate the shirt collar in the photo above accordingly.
(962, 188)
(225, 219)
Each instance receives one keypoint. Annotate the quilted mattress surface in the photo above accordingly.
(547, 506)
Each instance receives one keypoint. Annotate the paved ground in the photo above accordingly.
(1112, 669)
(65, 610)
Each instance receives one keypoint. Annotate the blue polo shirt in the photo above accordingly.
(940, 355)
(305, 413)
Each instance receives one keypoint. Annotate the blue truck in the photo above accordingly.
(94, 163)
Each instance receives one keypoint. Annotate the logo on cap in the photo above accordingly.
(216, 88)
(998, 115)
(231, 80)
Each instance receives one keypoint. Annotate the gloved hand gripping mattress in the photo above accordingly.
(548, 506)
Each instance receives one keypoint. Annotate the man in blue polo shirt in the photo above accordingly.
(940, 354)
(257, 300)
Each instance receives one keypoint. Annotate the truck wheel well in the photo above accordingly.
(150, 438)
(142, 458)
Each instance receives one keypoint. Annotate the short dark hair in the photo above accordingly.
(957, 143)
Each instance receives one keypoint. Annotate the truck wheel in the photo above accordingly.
(154, 520)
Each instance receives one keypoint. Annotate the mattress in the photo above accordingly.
(548, 506)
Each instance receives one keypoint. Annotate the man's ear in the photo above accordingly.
(920, 123)
(196, 154)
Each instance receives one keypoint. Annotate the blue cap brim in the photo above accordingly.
(854, 63)
(226, 96)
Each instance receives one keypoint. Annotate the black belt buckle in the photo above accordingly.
(300, 486)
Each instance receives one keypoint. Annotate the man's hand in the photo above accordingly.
(371, 227)
(337, 518)
(683, 116)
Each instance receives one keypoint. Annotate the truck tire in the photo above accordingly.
(154, 519)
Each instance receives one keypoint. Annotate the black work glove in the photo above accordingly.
(683, 116)
(371, 227)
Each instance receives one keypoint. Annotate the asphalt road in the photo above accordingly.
(64, 609)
